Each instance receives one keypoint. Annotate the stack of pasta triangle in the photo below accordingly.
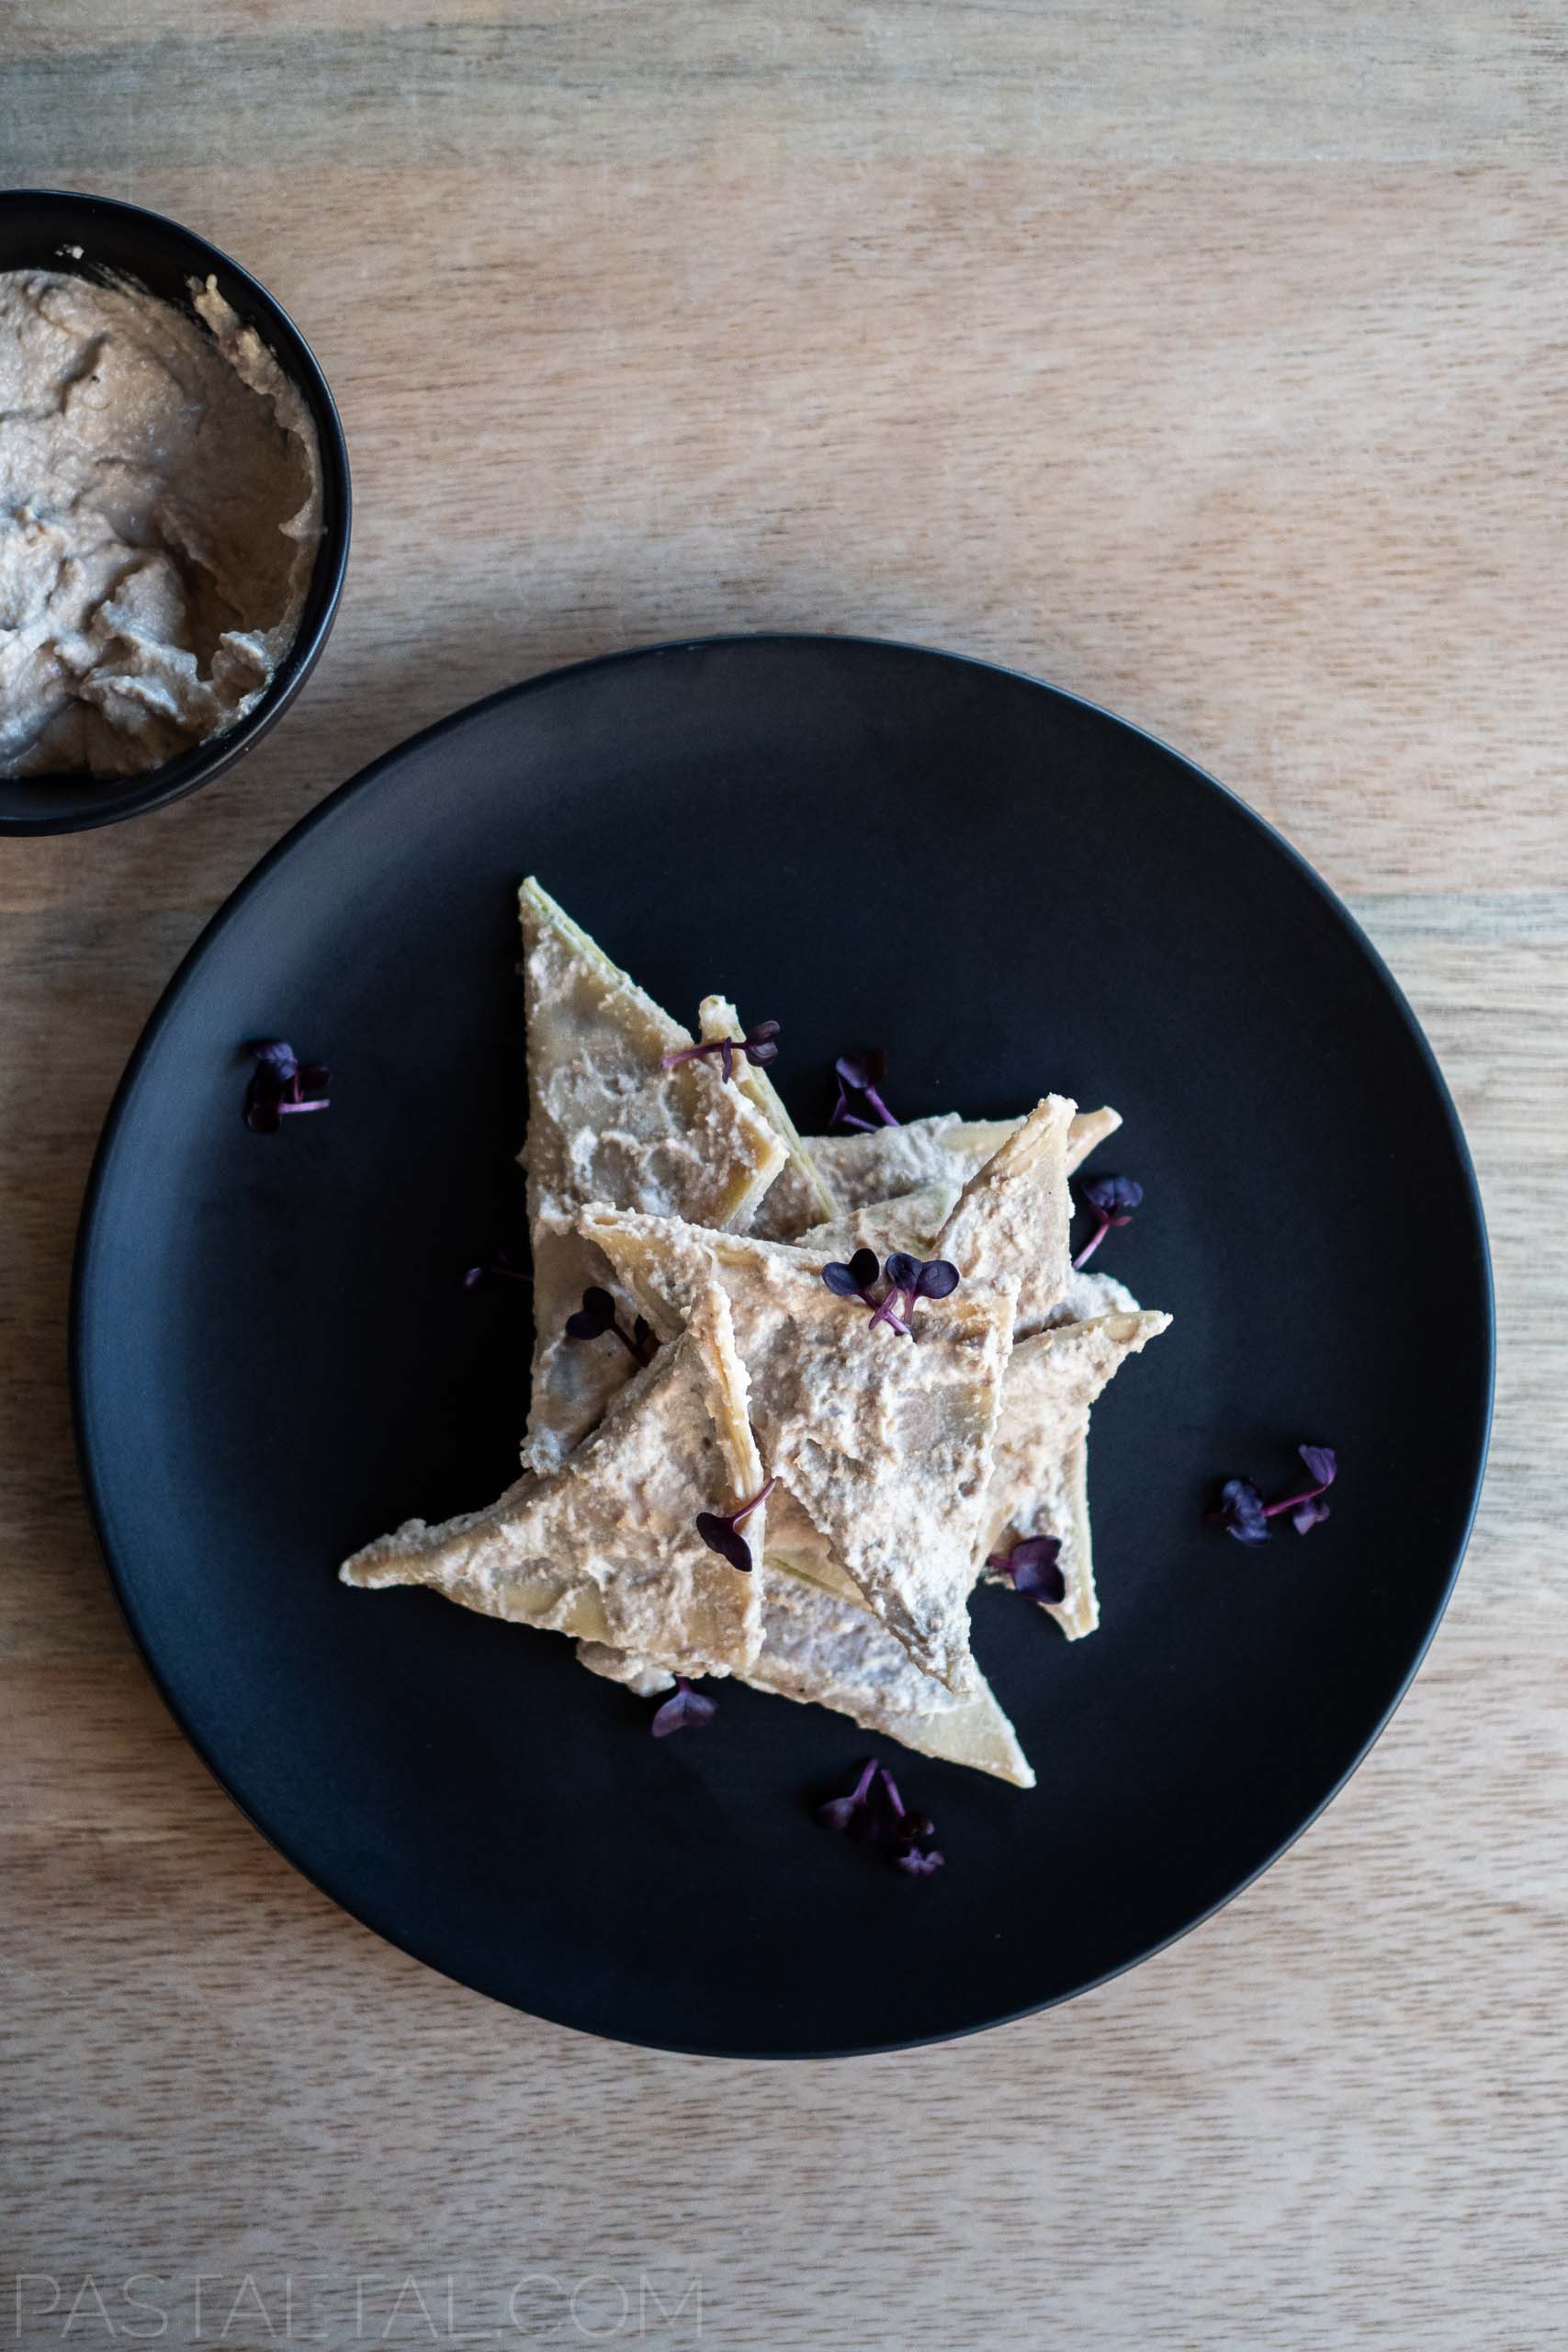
(895, 1462)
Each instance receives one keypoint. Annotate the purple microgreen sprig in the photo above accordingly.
(860, 1075)
(909, 1280)
(759, 1046)
(1113, 1199)
(684, 1706)
(501, 1268)
(1031, 1567)
(854, 1278)
(280, 1084)
(912, 1838)
(915, 1278)
(1244, 1513)
(852, 1813)
(597, 1315)
(720, 1531)
(873, 1814)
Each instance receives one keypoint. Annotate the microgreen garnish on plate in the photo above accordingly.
(860, 1075)
(1322, 1463)
(1244, 1513)
(875, 1813)
(852, 1813)
(759, 1046)
(597, 1315)
(281, 1083)
(720, 1531)
(501, 1267)
(1113, 1199)
(1031, 1567)
(684, 1706)
(908, 1279)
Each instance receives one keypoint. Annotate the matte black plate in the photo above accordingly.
(275, 1358)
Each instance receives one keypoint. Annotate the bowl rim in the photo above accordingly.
(171, 779)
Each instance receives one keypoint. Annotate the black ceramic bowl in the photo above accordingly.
(38, 229)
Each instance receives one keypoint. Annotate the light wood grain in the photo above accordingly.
(1209, 361)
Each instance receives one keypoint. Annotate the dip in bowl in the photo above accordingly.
(173, 511)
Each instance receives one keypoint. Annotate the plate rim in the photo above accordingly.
(93, 1488)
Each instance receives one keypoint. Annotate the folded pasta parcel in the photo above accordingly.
(610, 1120)
(880, 1439)
(1040, 1482)
(881, 1167)
(800, 1482)
(799, 1194)
(1010, 1221)
(607, 1548)
(823, 1647)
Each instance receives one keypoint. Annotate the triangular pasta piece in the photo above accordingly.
(1012, 1215)
(823, 1648)
(802, 1196)
(1039, 1486)
(606, 1548)
(880, 1163)
(607, 1122)
(914, 1222)
(1017, 1197)
(1088, 1129)
(883, 1440)
(1089, 1294)
(884, 1162)
(911, 1222)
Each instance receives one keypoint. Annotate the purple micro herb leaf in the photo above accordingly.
(861, 1074)
(918, 1862)
(593, 1318)
(720, 1531)
(922, 1277)
(876, 1814)
(1244, 1513)
(910, 1279)
(501, 1267)
(1031, 1567)
(909, 1835)
(1309, 1510)
(759, 1046)
(852, 1813)
(1113, 1199)
(281, 1084)
(684, 1706)
(903, 1279)
(855, 1279)
(1241, 1511)
(597, 1315)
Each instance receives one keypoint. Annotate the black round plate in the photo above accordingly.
(274, 1357)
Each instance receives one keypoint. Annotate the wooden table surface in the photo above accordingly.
(1209, 361)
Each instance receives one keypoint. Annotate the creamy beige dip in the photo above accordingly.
(159, 509)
